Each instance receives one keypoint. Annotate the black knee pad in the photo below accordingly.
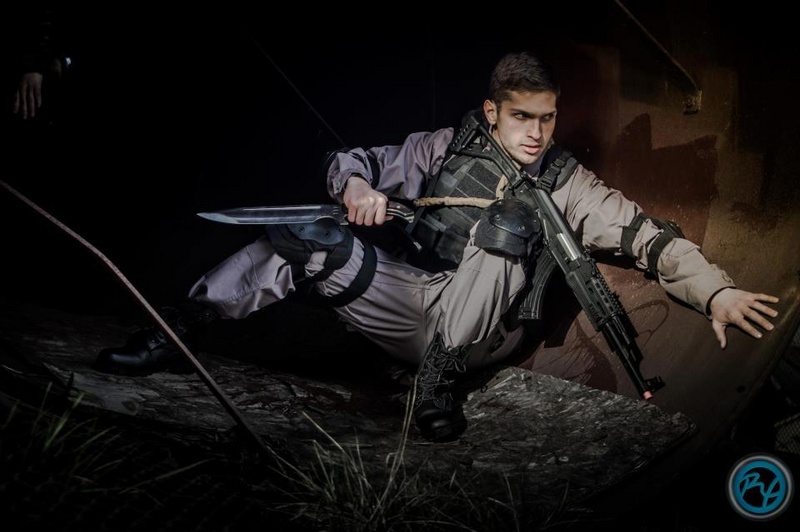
(508, 226)
(296, 242)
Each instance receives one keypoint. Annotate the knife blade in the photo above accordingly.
(287, 214)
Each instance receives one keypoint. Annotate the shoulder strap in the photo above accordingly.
(560, 165)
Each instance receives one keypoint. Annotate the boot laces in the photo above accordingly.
(154, 337)
(437, 372)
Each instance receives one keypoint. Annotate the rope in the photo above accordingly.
(450, 201)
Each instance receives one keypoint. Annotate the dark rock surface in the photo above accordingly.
(552, 442)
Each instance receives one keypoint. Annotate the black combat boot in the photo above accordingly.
(148, 350)
(437, 415)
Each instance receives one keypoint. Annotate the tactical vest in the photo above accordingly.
(442, 231)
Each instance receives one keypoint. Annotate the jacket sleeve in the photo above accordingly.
(400, 171)
(598, 214)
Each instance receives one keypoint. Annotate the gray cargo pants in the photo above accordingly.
(400, 311)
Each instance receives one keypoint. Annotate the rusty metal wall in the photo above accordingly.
(726, 174)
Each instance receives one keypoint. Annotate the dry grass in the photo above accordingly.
(108, 477)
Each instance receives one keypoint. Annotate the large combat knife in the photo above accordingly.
(288, 214)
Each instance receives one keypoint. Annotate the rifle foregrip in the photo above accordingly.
(607, 315)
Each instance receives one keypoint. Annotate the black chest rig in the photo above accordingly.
(472, 176)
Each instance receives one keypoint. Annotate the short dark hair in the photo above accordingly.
(521, 72)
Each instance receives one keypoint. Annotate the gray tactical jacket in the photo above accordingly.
(596, 212)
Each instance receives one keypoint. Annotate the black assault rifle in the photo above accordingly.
(562, 248)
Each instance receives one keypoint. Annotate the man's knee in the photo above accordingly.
(508, 226)
(297, 242)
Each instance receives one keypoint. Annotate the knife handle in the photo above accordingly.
(398, 210)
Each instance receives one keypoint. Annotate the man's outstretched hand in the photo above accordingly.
(742, 309)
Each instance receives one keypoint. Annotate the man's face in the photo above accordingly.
(524, 124)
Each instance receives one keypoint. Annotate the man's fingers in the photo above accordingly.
(759, 319)
(29, 107)
(755, 313)
(719, 332)
(763, 309)
(742, 319)
(378, 215)
(361, 216)
(745, 311)
(366, 216)
(745, 325)
(766, 297)
(364, 205)
(370, 214)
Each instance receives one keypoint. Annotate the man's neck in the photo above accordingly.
(533, 169)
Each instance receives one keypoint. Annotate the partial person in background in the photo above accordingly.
(37, 57)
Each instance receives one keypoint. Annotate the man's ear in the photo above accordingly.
(490, 112)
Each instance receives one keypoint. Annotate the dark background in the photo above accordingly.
(166, 112)
(169, 111)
